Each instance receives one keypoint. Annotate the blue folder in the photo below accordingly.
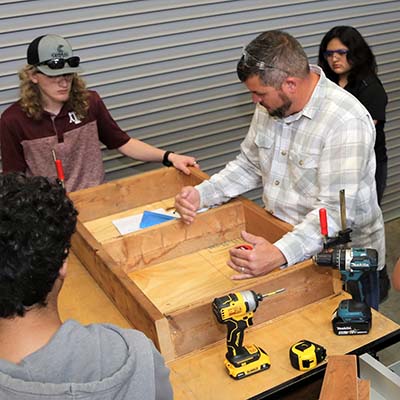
(151, 218)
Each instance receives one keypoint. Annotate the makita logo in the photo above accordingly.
(60, 52)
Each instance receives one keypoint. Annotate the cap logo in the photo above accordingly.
(60, 52)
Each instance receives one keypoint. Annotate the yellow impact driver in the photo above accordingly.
(236, 310)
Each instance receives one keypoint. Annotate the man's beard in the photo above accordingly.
(281, 111)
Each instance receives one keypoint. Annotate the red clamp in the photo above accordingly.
(323, 221)
(59, 169)
(244, 247)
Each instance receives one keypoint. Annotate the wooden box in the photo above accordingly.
(164, 278)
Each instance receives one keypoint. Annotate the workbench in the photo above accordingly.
(163, 279)
(202, 375)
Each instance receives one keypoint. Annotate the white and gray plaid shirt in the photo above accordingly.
(302, 162)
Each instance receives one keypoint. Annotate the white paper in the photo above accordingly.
(132, 224)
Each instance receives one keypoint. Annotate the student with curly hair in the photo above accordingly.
(41, 357)
(57, 116)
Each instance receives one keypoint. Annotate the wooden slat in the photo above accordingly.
(341, 381)
(364, 389)
(173, 238)
(127, 193)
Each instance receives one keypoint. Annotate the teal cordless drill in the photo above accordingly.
(352, 317)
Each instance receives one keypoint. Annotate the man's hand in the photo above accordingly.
(264, 258)
(183, 162)
(187, 203)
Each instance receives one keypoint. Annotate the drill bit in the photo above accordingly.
(273, 293)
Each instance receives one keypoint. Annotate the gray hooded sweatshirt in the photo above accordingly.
(98, 361)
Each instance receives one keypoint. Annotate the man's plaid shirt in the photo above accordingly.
(302, 162)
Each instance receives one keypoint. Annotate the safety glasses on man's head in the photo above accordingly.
(250, 61)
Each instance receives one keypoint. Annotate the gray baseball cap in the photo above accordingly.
(52, 55)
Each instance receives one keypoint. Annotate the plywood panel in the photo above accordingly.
(188, 279)
(201, 375)
(83, 300)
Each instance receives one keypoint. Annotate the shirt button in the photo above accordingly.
(283, 152)
(277, 182)
(301, 162)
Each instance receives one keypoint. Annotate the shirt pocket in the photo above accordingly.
(303, 172)
(264, 145)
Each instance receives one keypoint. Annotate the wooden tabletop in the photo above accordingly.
(201, 374)
(83, 300)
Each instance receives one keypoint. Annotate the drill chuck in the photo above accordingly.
(251, 299)
(353, 259)
(352, 263)
(324, 259)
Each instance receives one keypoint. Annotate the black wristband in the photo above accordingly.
(165, 160)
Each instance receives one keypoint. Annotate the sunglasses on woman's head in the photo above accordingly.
(59, 63)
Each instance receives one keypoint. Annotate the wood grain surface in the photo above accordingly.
(83, 300)
(341, 381)
(202, 376)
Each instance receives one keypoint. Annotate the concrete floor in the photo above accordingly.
(391, 306)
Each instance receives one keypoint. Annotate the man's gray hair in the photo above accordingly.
(273, 56)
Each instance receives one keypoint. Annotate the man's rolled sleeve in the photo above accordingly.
(291, 248)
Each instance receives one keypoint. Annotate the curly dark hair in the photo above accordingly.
(37, 221)
(360, 56)
(273, 56)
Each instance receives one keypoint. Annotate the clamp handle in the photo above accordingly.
(60, 170)
(323, 222)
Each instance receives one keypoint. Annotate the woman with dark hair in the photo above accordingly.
(347, 60)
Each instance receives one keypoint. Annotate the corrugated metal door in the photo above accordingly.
(166, 69)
